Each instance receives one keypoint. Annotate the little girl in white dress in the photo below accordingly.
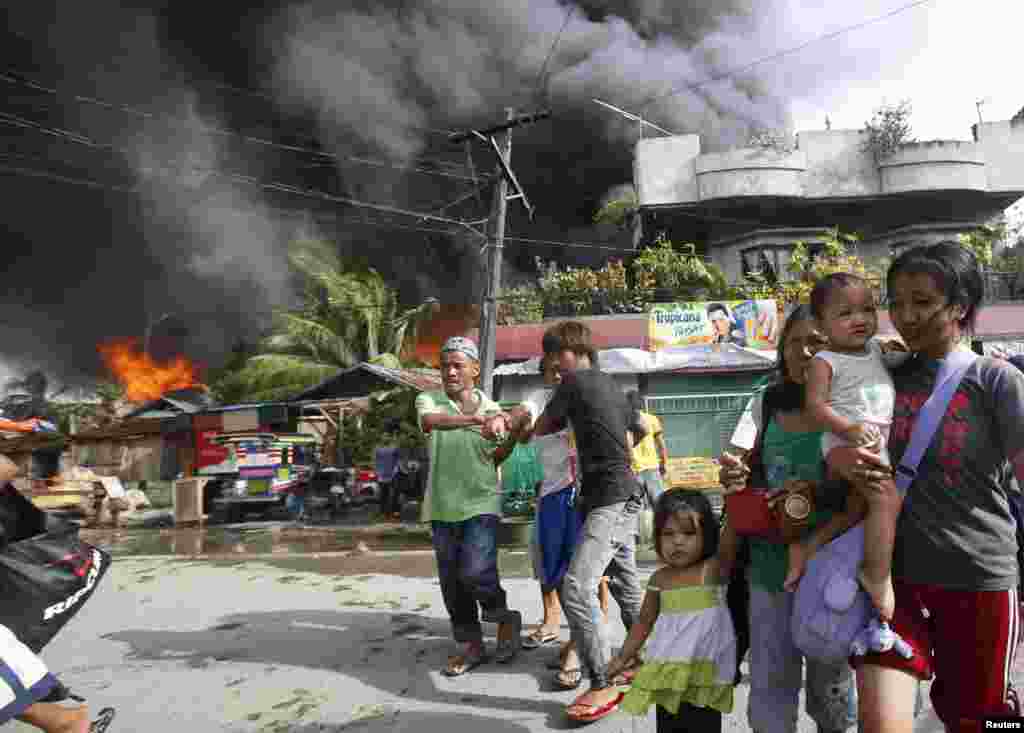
(690, 661)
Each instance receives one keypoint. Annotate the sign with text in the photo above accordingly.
(750, 323)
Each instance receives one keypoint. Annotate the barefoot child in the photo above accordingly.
(850, 393)
(690, 664)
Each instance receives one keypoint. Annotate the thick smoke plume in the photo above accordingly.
(378, 83)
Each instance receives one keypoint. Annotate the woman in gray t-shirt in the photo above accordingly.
(955, 565)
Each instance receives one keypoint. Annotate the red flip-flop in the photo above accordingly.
(597, 712)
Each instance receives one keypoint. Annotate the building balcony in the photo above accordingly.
(750, 172)
(933, 166)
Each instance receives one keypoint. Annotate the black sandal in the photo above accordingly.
(103, 722)
(60, 693)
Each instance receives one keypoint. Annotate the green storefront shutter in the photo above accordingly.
(700, 413)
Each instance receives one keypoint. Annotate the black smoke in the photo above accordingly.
(177, 224)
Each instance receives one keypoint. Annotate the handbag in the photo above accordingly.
(777, 516)
(47, 572)
(830, 608)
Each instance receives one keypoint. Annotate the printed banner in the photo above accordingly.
(750, 323)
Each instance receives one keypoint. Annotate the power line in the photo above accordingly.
(211, 129)
(278, 186)
(284, 188)
(17, 170)
(551, 52)
(72, 136)
(321, 195)
(780, 54)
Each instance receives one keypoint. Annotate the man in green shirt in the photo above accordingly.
(463, 504)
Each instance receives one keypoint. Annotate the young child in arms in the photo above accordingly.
(851, 395)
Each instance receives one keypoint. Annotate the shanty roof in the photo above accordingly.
(187, 401)
(366, 378)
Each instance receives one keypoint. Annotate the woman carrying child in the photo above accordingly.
(690, 663)
(787, 445)
(955, 565)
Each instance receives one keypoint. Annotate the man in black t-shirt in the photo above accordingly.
(610, 499)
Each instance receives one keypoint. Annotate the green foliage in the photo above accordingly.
(363, 433)
(1009, 260)
(888, 128)
(583, 290)
(618, 211)
(110, 391)
(983, 240)
(663, 266)
(521, 304)
(347, 314)
(834, 256)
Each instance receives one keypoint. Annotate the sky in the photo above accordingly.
(964, 54)
(381, 81)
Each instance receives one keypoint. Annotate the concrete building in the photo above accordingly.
(746, 207)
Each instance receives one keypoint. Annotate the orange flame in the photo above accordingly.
(144, 378)
(448, 319)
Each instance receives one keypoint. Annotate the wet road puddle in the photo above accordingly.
(273, 540)
(404, 551)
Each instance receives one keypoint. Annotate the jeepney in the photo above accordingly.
(261, 470)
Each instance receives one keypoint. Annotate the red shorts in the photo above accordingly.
(966, 640)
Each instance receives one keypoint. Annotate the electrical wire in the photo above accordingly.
(6, 76)
(779, 54)
(541, 78)
(76, 137)
(250, 180)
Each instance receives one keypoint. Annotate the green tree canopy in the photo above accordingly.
(346, 314)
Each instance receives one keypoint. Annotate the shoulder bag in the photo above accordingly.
(830, 607)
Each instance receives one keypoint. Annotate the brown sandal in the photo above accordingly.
(540, 636)
(569, 679)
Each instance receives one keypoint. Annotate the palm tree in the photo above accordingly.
(347, 314)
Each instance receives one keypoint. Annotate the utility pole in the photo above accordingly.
(495, 245)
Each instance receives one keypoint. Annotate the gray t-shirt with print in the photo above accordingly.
(956, 530)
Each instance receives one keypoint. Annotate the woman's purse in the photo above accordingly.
(781, 515)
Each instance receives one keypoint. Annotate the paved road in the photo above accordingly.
(258, 645)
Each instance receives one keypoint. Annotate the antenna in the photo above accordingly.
(979, 104)
(634, 118)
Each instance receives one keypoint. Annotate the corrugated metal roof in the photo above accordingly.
(188, 401)
(424, 380)
(362, 379)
